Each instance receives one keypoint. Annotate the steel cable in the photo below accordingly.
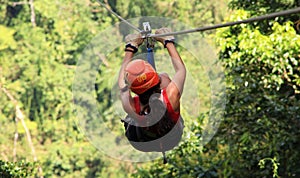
(259, 18)
(119, 17)
(201, 29)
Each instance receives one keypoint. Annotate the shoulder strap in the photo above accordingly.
(174, 115)
(137, 104)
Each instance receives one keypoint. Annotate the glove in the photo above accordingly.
(133, 41)
(164, 39)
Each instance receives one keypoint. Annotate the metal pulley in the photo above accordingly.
(149, 43)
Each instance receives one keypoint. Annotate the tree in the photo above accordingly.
(37, 64)
(261, 120)
(18, 169)
(43, 41)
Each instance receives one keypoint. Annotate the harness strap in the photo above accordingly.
(150, 57)
(137, 104)
(174, 115)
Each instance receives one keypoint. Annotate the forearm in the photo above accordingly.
(125, 96)
(127, 58)
(133, 41)
(176, 59)
(180, 70)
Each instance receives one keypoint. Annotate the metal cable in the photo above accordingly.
(119, 17)
(259, 18)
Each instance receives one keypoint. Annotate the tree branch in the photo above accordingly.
(297, 23)
(20, 116)
(70, 66)
(32, 13)
(31, 4)
(19, 3)
(15, 140)
(103, 59)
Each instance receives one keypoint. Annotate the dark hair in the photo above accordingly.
(144, 97)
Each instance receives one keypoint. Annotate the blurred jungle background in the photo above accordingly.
(41, 42)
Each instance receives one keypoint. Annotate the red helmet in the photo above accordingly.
(140, 76)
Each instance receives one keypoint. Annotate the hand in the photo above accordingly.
(164, 39)
(134, 40)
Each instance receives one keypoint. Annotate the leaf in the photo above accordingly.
(6, 38)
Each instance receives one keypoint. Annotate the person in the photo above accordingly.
(157, 97)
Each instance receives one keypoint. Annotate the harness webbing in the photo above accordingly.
(150, 57)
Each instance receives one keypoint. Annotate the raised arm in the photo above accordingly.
(127, 58)
(175, 88)
(180, 71)
(132, 43)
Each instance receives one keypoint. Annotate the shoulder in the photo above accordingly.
(174, 95)
(164, 80)
(128, 102)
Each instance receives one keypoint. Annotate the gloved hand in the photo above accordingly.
(133, 41)
(164, 39)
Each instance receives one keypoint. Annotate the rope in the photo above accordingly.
(254, 19)
(259, 18)
(119, 17)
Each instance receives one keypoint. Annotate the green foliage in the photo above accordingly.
(37, 68)
(7, 41)
(261, 7)
(263, 98)
(195, 13)
(260, 132)
(66, 161)
(17, 169)
(275, 164)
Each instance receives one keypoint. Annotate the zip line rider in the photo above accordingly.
(139, 77)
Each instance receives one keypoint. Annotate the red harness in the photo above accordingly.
(170, 111)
